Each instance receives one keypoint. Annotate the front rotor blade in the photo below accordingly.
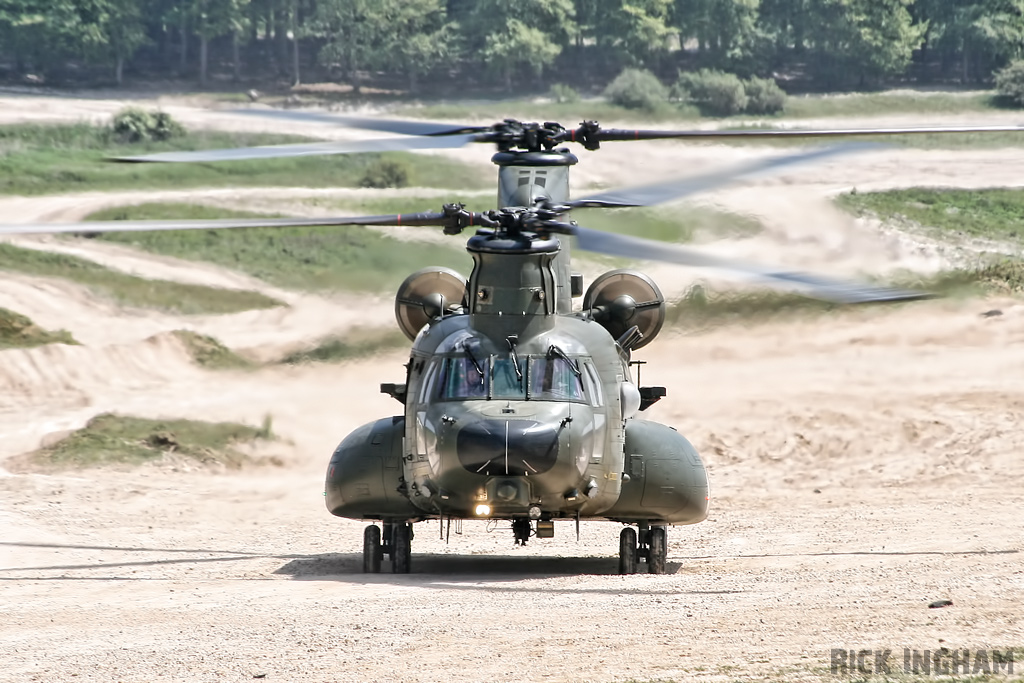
(615, 134)
(677, 188)
(221, 223)
(399, 126)
(306, 149)
(827, 289)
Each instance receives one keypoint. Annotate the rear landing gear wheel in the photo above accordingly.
(627, 551)
(401, 547)
(372, 551)
(657, 550)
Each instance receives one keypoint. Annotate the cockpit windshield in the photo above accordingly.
(555, 379)
(543, 378)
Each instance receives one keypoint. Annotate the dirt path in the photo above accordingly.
(864, 464)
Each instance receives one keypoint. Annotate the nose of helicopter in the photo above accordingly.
(517, 448)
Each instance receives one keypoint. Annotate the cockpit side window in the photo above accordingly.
(462, 378)
(593, 384)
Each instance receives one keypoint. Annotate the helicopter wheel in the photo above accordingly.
(401, 547)
(657, 552)
(627, 551)
(372, 550)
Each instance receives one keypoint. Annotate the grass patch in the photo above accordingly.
(19, 332)
(701, 309)
(569, 114)
(49, 159)
(681, 225)
(118, 439)
(892, 102)
(996, 214)
(130, 290)
(316, 258)
(209, 353)
(358, 344)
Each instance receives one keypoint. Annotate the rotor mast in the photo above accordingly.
(527, 177)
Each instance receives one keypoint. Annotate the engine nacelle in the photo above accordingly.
(364, 477)
(623, 299)
(667, 480)
(427, 295)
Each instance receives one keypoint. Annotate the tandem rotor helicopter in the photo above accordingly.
(516, 405)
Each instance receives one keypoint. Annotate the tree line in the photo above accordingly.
(823, 44)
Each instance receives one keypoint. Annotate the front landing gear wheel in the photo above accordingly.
(657, 550)
(401, 547)
(372, 551)
(627, 551)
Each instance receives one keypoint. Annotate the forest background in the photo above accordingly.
(442, 47)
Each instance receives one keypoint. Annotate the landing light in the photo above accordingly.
(483, 510)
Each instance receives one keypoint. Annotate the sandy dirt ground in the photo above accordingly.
(863, 463)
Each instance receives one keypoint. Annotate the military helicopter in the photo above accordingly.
(518, 406)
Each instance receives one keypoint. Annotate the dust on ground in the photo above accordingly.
(863, 464)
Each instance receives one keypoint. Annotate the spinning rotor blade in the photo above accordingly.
(658, 193)
(613, 134)
(827, 289)
(222, 223)
(398, 126)
(307, 149)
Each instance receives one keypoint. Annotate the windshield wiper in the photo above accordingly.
(559, 353)
(512, 341)
(473, 360)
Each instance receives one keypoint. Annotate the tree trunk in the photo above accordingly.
(184, 43)
(119, 70)
(204, 44)
(236, 57)
(296, 76)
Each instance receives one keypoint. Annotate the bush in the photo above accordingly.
(138, 125)
(386, 173)
(764, 96)
(637, 89)
(1010, 82)
(715, 92)
(562, 93)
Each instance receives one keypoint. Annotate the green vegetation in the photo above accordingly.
(680, 225)
(317, 258)
(996, 214)
(718, 93)
(356, 344)
(386, 173)
(209, 353)
(19, 332)
(485, 45)
(138, 125)
(1010, 82)
(43, 159)
(130, 290)
(701, 309)
(637, 89)
(118, 439)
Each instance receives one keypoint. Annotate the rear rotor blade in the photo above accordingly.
(827, 289)
(306, 149)
(677, 188)
(399, 126)
(223, 223)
